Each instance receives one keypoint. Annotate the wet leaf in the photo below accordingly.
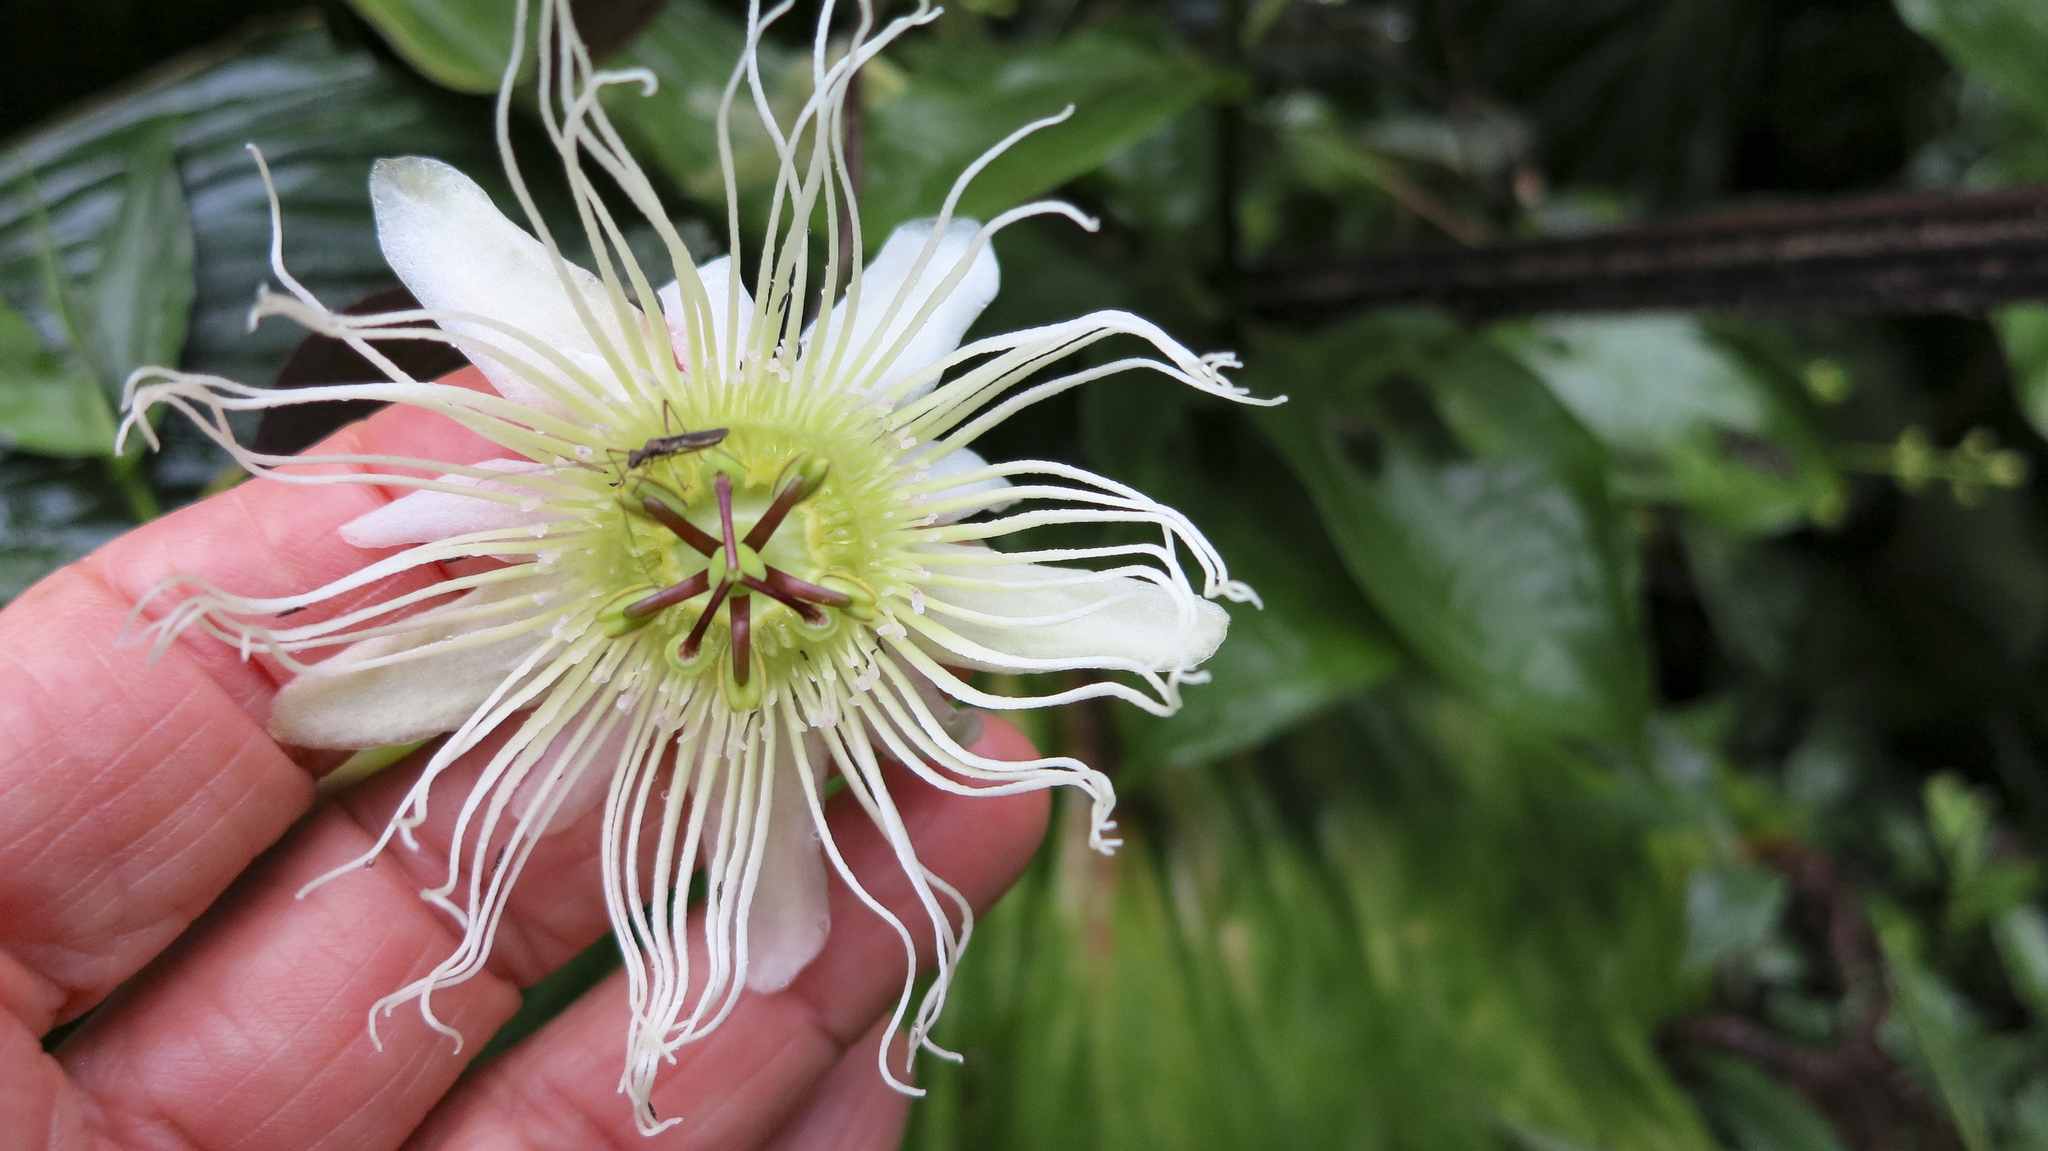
(459, 44)
(960, 100)
(49, 403)
(2002, 42)
(1730, 908)
(321, 113)
(2023, 332)
(1312, 644)
(1688, 421)
(1762, 1113)
(1504, 570)
(134, 309)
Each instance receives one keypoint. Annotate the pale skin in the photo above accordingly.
(153, 838)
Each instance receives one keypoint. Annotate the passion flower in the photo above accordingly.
(726, 555)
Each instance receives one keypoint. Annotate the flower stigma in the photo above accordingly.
(722, 552)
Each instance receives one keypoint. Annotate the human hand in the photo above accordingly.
(153, 838)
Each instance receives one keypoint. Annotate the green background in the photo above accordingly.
(1605, 660)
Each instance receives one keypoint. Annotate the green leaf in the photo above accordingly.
(1730, 909)
(52, 511)
(932, 108)
(1686, 420)
(1981, 886)
(1758, 599)
(49, 404)
(960, 100)
(459, 44)
(140, 297)
(2021, 935)
(1961, 820)
(1311, 645)
(21, 567)
(2023, 333)
(1505, 570)
(1940, 1024)
(1759, 1111)
(2001, 42)
(321, 114)
(2030, 1115)
(1314, 641)
(1406, 935)
(692, 48)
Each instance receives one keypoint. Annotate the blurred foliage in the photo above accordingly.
(1642, 740)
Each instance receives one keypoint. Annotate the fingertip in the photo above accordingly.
(1001, 739)
(1004, 828)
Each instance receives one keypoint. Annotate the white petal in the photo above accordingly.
(886, 276)
(716, 276)
(445, 238)
(337, 704)
(425, 516)
(1073, 618)
(791, 915)
(959, 463)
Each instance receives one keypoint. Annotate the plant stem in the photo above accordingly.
(127, 474)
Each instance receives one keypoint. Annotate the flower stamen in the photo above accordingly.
(737, 567)
(780, 583)
(740, 611)
(694, 642)
(661, 512)
(809, 476)
(670, 596)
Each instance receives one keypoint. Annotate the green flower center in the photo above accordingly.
(746, 555)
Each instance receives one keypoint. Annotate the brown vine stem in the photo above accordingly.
(1886, 254)
(1867, 1097)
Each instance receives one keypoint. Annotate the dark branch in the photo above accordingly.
(1896, 254)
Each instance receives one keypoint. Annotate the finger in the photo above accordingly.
(852, 1109)
(270, 537)
(131, 792)
(264, 1003)
(738, 1086)
(256, 1022)
(251, 1031)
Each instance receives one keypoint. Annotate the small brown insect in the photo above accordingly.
(660, 446)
